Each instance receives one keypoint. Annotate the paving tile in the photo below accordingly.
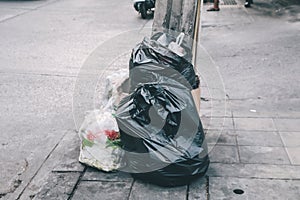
(223, 154)
(263, 155)
(145, 191)
(254, 171)
(208, 112)
(213, 94)
(102, 190)
(92, 174)
(66, 154)
(251, 113)
(259, 138)
(291, 139)
(294, 154)
(198, 189)
(287, 124)
(222, 137)
(254, 124)
(58, 186)
(290, 114)
(224, 187)
(215, 108)
(217, 123)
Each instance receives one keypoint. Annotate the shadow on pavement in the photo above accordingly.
(278, 8)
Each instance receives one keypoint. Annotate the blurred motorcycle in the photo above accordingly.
(145, 7)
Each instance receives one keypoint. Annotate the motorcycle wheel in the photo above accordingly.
(143, 10)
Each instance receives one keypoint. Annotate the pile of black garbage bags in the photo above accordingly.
(160, 128)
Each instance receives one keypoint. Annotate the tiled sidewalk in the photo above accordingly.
(259, 162)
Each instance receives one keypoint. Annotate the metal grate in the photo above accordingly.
(228, 2)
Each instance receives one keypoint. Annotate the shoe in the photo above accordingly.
(213, 9)
(247, 4)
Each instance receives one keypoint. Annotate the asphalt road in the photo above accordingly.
(45, 43)
(43, 46)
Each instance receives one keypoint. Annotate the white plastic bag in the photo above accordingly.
(100, 141)
(99, 134)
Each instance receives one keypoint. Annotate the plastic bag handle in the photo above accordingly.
(179, 38)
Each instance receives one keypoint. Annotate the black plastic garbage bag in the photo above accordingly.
(162, 134)
(150, 58)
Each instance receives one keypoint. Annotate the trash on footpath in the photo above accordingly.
(99, 133)
(176, 46)
(160, 129)
(100, 141)
(148, 124)
(150, 59)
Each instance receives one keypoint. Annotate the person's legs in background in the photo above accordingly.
(215, 7)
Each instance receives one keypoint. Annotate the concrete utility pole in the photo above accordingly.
(175, 16)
